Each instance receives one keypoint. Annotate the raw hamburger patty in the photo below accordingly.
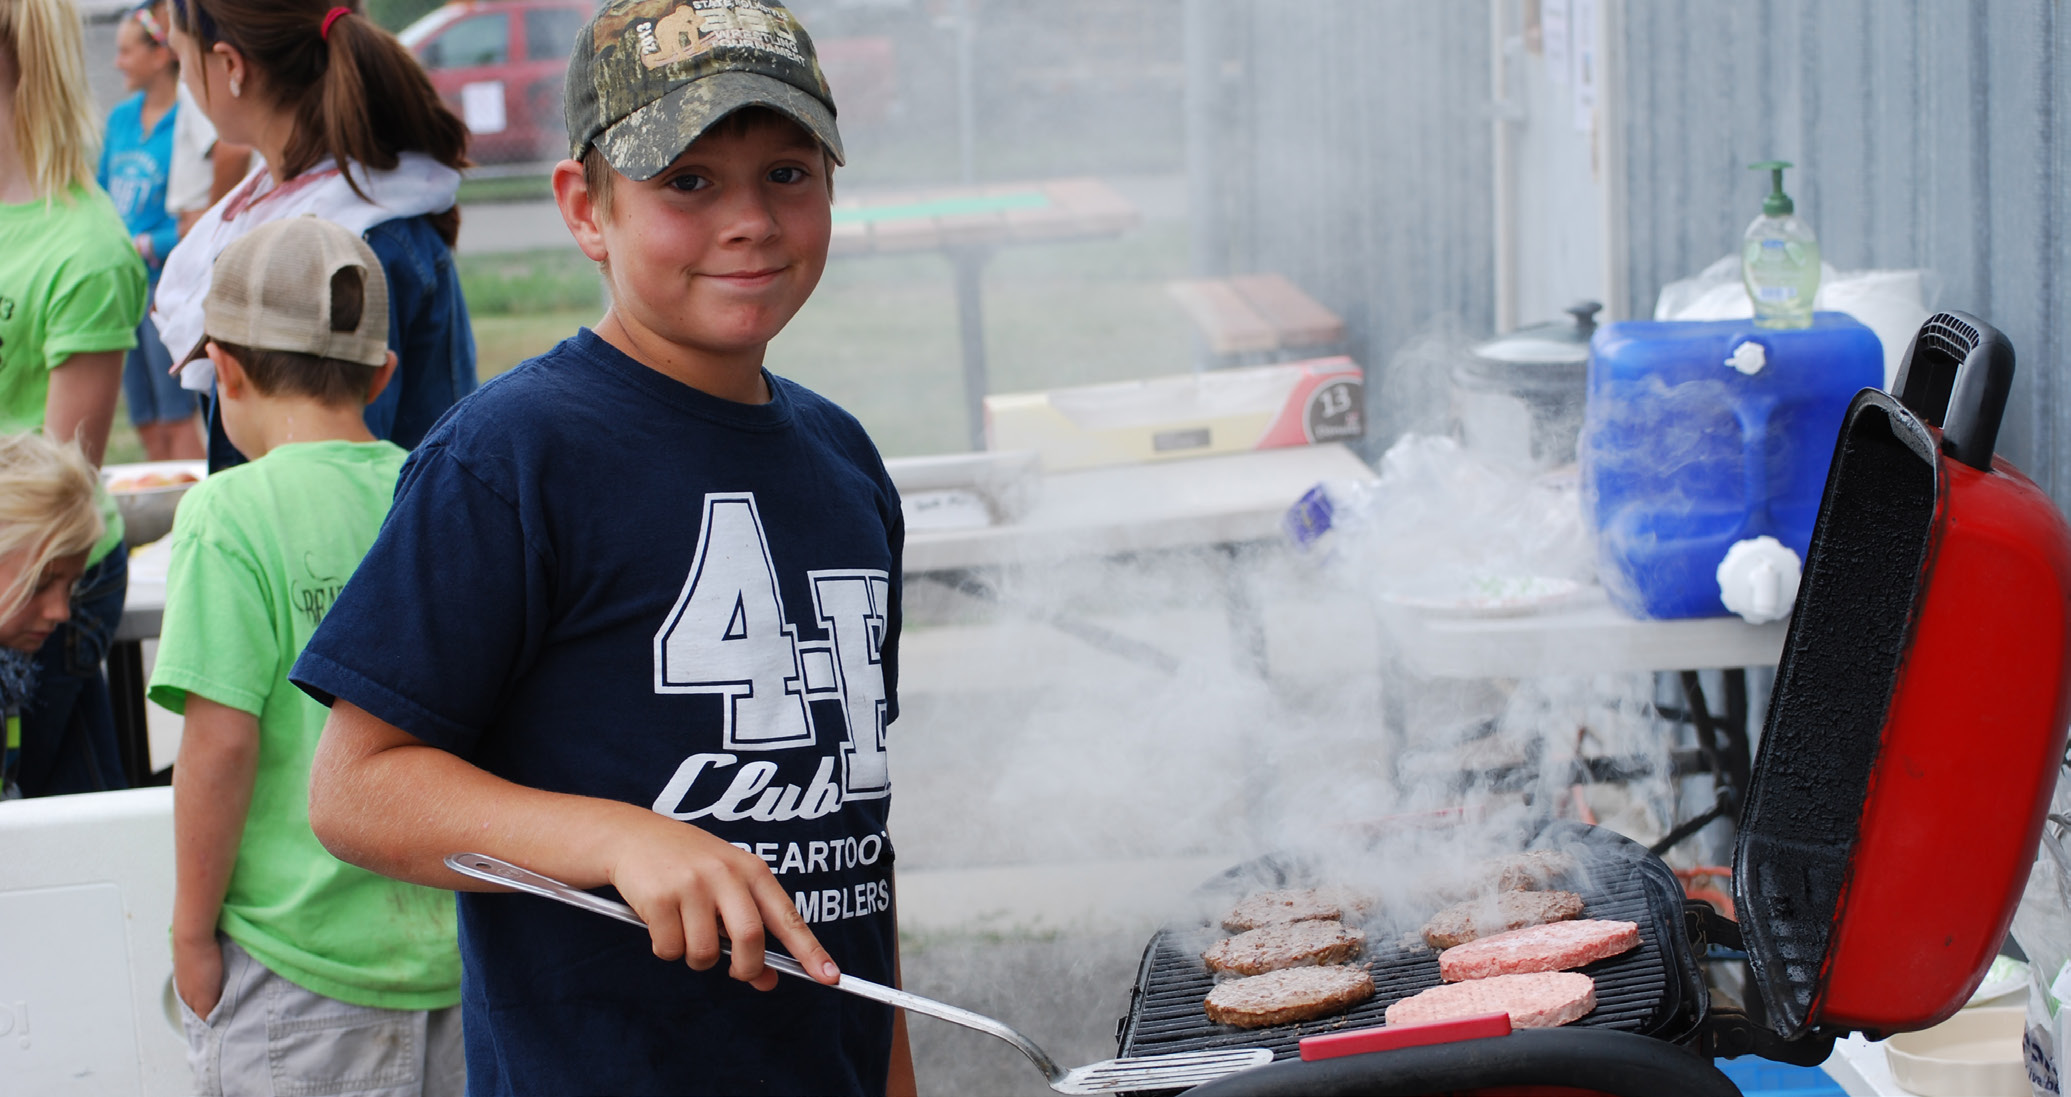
(1281, 997)
(1272, 908)
(1270, 948)
(1475, 918)
(1556, 946)
(1538, 1000)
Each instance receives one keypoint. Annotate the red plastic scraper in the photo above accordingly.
(1391, 1037)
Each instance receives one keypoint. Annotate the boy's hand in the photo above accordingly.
(198, 974)
(689, 886)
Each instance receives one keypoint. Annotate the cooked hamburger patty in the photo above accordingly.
(1272, 908)
(1281, 997)
(1534, 870)
(1270, 948)
(1538, 1000)
(1556, 946)
(1475, 918)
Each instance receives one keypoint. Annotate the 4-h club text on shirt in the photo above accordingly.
(730, 635)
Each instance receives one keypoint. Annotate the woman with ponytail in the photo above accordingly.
(71, 294)
(346, 126)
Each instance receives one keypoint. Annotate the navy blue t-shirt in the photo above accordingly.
(597, 580)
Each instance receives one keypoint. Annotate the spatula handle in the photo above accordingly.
(481, 866)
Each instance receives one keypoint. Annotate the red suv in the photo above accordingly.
(500, 67)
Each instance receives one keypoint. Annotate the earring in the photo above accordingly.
(236, 89)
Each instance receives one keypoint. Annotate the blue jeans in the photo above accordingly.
(68, 729)
(154, 394)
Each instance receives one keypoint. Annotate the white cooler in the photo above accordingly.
(86, 902)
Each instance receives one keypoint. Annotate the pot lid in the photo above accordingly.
(1555, 343)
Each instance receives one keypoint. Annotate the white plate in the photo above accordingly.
(1504, 597)
(1976, 1053)
(114, 474)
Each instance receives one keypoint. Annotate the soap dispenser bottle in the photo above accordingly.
(1779, 258)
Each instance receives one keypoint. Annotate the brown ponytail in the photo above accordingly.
(357, 95)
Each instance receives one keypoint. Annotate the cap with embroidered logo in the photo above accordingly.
(647, 77)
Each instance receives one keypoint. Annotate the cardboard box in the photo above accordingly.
(1190, 415)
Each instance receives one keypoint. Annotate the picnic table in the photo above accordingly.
(968, 224)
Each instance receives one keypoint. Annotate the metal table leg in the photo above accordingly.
(1246, 616)
(976, 585)
(969, 264)
(126, 690)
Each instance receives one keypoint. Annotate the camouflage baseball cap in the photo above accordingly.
(648, 76)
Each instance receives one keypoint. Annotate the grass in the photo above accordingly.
(503, 341)
(124, 447)
(879, 336)
(506, 188)
(519, 283)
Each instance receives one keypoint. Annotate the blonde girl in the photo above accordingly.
(72, 291)
(49, 521)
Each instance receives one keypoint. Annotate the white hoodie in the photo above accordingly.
(416, 186)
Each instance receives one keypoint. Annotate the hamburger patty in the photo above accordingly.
(1270, 948)
(1281, 997)
(1556, 946)
(1538, 1000)
(1476, 918)
(1534, 870)
(1272, 908)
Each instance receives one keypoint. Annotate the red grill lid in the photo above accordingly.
(1920, 707)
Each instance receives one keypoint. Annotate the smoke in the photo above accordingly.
(1111, 712)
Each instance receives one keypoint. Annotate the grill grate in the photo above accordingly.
(1654, 990)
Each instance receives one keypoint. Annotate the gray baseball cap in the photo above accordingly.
(647, 77)
(271, 289)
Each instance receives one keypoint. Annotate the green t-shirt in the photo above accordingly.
(70, 283)
(258, 553)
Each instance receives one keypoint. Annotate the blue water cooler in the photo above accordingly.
(1699, 436)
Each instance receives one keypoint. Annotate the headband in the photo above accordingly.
(331, 17)
(153, 29)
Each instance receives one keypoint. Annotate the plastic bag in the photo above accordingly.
(1443, 528)
(2042, 927)
(1892, 303)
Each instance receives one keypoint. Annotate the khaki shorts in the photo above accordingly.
(268, 1037)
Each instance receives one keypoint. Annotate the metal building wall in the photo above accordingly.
(1927, 134)
(1345, 145)
(1350, 150)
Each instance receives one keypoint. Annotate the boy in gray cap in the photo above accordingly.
(295, 971)
(633, 622)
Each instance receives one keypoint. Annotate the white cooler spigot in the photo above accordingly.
(1758, 579)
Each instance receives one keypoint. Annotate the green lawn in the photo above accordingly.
(879, 336)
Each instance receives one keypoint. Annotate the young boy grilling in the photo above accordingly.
(633, 621)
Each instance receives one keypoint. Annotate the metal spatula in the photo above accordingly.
(1151, 1072)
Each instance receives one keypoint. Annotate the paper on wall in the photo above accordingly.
(1553, 38)
(481, 106)
(1582, 26)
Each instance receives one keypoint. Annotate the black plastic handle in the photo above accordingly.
(1956, 376)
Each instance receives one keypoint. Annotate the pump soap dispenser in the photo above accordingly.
(1779, 258)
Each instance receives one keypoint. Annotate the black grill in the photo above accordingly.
(1655, 990)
